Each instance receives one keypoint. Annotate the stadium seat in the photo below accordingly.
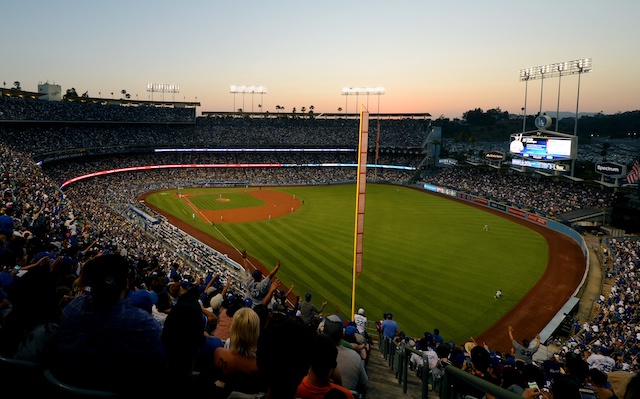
(23, 376)
(70, 391)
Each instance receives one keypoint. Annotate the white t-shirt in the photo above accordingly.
(361, 323)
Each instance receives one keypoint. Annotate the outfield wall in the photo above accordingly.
(530, 217)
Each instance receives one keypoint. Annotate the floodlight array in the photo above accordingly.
(161, 87)
(362, 90)
(558, 69)
(247, 89)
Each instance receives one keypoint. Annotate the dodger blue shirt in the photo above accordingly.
(389, 328)
(109, 347)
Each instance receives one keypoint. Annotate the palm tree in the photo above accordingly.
(16, 85)
(124, 93)
(260, 107)
(303, 110)
(293, 111)
(278, 108)
(339, 109)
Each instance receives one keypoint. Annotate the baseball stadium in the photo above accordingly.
(295, 196)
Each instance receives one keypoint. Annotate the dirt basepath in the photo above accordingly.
(565, 268)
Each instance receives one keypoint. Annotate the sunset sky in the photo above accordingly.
(440, 57)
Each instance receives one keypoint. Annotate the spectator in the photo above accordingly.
(183, 338)
(350, 364)
(237, 363)
(361, 322)
(317, 382)
(258, 287)
(280, 361)
(104, 343)
(389, 327)
(524, 353)
(308, 310)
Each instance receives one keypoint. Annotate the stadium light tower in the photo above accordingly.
(246, 89)
(349, 91)
(163, 88)
(558, 69)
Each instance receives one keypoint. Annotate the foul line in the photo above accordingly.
(198, 211)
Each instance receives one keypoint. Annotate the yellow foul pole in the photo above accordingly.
(361, 183)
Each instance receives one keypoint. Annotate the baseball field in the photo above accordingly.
(427, 259)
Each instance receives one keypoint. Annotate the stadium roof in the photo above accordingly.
(321, 115)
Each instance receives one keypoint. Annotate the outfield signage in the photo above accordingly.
(537, 219)
(611, 169)
(495, 156)
(516, 212)
(531, 217)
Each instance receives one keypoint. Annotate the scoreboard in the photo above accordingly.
(543, 147)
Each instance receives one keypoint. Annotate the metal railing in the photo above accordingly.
(398, 355)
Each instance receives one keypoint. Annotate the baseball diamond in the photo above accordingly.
(529, 259)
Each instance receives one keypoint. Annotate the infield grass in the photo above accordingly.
(427, 259)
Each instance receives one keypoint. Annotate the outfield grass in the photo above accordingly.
(426, 258)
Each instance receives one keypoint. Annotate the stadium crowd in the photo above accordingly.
(547, 196)
(81, 270)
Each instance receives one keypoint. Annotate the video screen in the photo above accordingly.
(541, 148)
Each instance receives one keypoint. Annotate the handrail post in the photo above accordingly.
(405, 366)
(425, 379)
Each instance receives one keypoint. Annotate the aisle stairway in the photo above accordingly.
(384, 384)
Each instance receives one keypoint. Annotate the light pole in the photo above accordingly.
(525, 75)
(560, 67)
(552, 70)
(581, 67)
(349, 91)
(163, 88)
(543, 70)
(246, 89)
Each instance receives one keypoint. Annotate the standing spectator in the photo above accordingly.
(104, 342)
(389, 327)
(524, 353)
(258, 287)
(309, 310)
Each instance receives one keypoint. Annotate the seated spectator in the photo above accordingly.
(317, 382)
(237, 363)
(600, 384)
(105, 343)
(358, 342)
(229, 307)
(309, 311)
(183, 338)
(29, 331)
(350, 364)
(280, 361)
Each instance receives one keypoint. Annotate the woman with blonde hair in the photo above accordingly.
(237, 365)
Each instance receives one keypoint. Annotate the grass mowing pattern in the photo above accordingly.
(426, 258)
